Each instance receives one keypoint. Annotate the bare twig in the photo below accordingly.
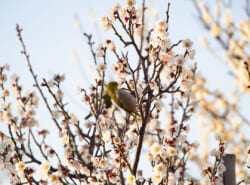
(19, 30)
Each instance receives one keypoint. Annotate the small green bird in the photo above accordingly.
(122, 98)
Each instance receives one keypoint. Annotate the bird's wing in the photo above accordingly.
(128, 102)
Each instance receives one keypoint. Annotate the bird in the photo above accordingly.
(123, 98)
(107, 100)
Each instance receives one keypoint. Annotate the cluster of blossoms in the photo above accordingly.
(164, 72)
(223, 110)
(222, 118)
(25, 103)
(232, 36)
(215, 172)
(12, 148)
(108, 146)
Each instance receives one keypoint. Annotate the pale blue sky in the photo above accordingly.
(49, 34)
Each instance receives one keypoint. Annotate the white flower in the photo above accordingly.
(244, 29)
(171, 151)
(215, 30)
(108, 43)
(73, 165)
(114, 9)
(130, 180)
(227, 17)
(156, 178)
(95, 161)
(20, 166)
(171, 179)
(6, 92)
(105, 23)
(161, 24)
(103, 164)
(59, 94)
(112, 47)
(106, 135)
(65, 139)
(129, 4)
(44, 175)
(99, 51)
(186, 84)
(21, 174)
(53, 178)
(160, 32)
(131, 133)
(179, 59)
(187, 44)
(163, 154)
(154, 42)
(165, 43)
(45, 166)
(155, 149)
(138, 30)
(73, 118)
(84, 170)
(160, 29)
(67, 151)
(160, 169)
(117, 140)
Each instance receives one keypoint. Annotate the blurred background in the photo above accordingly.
(56, 45)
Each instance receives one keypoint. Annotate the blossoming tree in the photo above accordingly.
(225, 111)
(108, 146)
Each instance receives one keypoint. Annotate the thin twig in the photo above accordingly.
(19, 30)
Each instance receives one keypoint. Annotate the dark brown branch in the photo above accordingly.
(142, 131)
(167, 13)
